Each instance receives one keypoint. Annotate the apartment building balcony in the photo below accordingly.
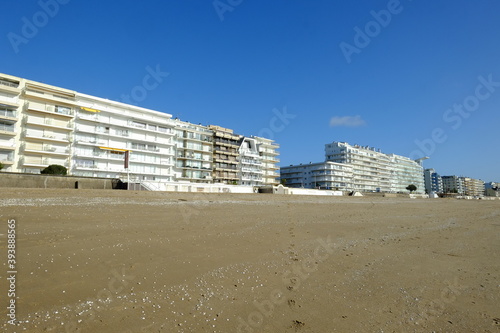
(10, 86)
(270, 159)
(91, 117)
(225, 179)
(204, 149)
(251, 179)
(47, 137)
(6, 156)
(7, 161)
(61, 111)
(36, 161)
(52, 96)
(272, 145)
(10, 102)
(94, 130)
(46, 149)
(201, 179)
(195, 168)
(91, 142)
(251, 170)
(152, 150)
(8, 114)
(158, 162)
(7, 129)
(197, 138)
(225, 160)
(225, 168)
(152, 128)
(50, 123)
(191, 157)
(226, 143)
(226, 152)
(7, 146)
(269, 152)
(98, 168)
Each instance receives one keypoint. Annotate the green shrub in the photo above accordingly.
(55, 169)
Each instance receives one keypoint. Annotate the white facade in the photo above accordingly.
(10, 89)
(370, 168)
(193, 152)
(250, 165)
(42, 125)
(359, 168)
(404, 172)
(106, 130)
(268, 151)
(323, 175)
(373, 170)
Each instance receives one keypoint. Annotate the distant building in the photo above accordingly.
(433, 182)
(405, 171)
(463, 186)
(492, 189)
(357, 168)
(373, 170)
(474, 187)
(453, 184)
(324, 175)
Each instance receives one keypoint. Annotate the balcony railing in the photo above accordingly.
(9, 84)
(7, 128)
(7, 113)
(61, 110)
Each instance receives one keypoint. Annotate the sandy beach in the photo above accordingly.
(118, 261)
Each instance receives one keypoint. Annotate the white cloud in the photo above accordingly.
(347, 121)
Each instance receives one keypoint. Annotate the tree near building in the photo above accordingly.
(1, 166)
(411, 188)
(55, 169)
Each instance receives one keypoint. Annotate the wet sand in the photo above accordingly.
(117, 261)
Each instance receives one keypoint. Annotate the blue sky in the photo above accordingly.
(388, 74)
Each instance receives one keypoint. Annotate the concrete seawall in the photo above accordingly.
(24, 180)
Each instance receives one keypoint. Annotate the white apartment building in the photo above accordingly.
(90, 136)
(268, 151)
(370, 168)
(10, 126)
(250, 165)
(357, 168)
(193, 152)
(323, 175)
(42, 125)
(106, 131)
(36, 124)
(405, 171)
